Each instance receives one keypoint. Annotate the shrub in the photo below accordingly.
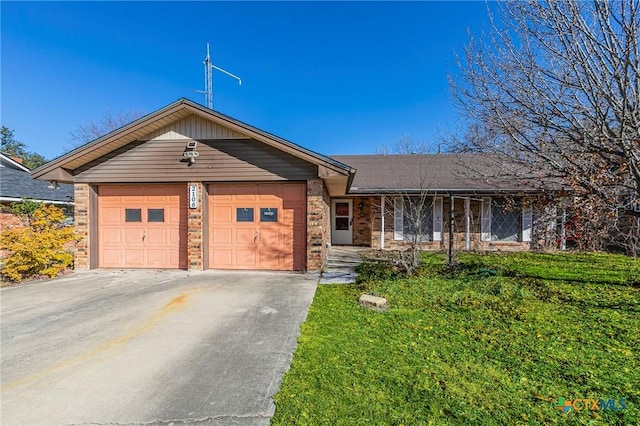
(377, 270)
(40, 248)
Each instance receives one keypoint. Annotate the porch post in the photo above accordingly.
(383, 200)
(563, 232)
(467, 212)
(451, 224)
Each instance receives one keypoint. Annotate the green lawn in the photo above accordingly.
(498, 342)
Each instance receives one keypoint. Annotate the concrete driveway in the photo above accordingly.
(132, 347)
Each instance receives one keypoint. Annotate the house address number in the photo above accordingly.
(193, 196)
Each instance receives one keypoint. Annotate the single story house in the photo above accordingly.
(16, 185)
(188, 187)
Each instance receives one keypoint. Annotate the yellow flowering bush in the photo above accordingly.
(38, 249)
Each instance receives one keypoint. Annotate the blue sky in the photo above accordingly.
(334, 77)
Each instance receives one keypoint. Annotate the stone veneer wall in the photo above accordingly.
(362, 221)
(9, 221)
(81, 220)
(318, 224)
(195, 230)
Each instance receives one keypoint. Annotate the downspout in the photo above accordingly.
(383, 200)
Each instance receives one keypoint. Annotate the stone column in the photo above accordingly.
(195, 230)
(81, 220)
(317, 218)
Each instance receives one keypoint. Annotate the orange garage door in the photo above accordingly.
(142, 226)
(257, 226)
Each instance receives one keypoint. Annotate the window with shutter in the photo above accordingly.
(437, 219)
(398, 224)
(486, 219)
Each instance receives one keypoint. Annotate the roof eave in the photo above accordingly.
(442, 191)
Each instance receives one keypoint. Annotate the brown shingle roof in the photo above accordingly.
(434, 172)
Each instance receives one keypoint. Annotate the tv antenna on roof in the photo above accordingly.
(208, 79)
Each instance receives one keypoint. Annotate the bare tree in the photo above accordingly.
(92, 130)
(406, 144)
(415, 203)
(555, 85)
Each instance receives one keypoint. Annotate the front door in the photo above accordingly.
(342, 222)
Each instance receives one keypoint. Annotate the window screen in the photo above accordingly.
(505, 223)
(417, 219)
(244, 214)
(155, 215)
(133, 215)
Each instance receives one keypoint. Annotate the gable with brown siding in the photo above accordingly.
(219, 160)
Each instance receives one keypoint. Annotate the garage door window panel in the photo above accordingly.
(244, 214)
(155, 215)
(133, 215)
(268, 214)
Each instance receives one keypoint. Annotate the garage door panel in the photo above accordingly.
(157, 238)
(133, 236)
(223, 214)
(257, 243)
(246, 195)
(245, 259)
(112, 257)
(112, 236)
(157, 258)
(267, 258)
(174, 215)
(157, 199)
(221, 236)
(134, 258)
(244, 236)
(222, 258)
(174, 237)
(174, 257)
(270, 238)
(112, 215)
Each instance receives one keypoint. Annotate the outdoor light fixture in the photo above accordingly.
(190, 152)
(53, 185)
(361, 205)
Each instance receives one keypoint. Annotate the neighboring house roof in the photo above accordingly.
(18, 184)
(442, 173)
(61, 169)
(7, 161)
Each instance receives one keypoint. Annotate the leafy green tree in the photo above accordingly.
(9, 145)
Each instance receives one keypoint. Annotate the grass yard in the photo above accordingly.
(496, 343)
